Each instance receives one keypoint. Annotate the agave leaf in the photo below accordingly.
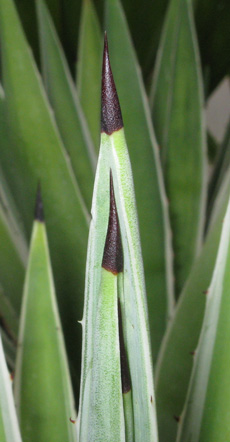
(219, 171)
(145, 22)
(177, 106)
(37, 154)
(89, 68)
(113, 157)
(206, 413)
(42, 384)
(66, 105)
(9, 429)
(175, 358)
(150, 196)
(213, 19)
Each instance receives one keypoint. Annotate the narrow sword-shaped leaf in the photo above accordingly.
(206, 413)
(106, 419)
(177, 110)
(174, 365)
(125, 374)
(37, 153)
(219, 171)
(114, 155)
(147, 174)
(65, 103)
(9, 429)
(42, 384)
(89, 68)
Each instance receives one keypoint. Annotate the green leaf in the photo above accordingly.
(147, 175)
(89, 68)
(65, 103)
(175, 358)
(145, 22)
(114, 159)
(37, 154)
(9, 429)
(42, 384)
(206, 413)
(213, 21)
(220, 170)
(177, 106)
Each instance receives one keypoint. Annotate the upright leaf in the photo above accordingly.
(42, 383)
(89, 68)
(65, 103)
(206, 413)
(220, 170)
(177, 107)
(104, 261)
(9, 429)
(175, 358)
(37, 154)
(150, 196)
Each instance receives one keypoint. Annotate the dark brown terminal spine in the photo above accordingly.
(113, 254)
(39, 211)
(111, 118)
(125, 374)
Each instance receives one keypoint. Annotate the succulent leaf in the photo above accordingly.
(177, 110)
(147, 173)
(42, 383)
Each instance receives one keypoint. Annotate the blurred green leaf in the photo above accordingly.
(213, 22)
(177, 109)
(37, 154)
(149, 190)
(206, 413)
(89, 68)
(175, 359)
(42, 384)
(145, 22)
(65, 103)
(9, 429)
(220, 169)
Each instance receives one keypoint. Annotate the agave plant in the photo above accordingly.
(143, 355)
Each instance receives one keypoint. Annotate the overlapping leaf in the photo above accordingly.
(177, 109)
(147, 175)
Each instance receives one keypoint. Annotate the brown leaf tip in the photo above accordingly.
(125, 374)
(113, 254)
(111, 118)
(39, 211)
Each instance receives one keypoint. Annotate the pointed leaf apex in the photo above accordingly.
(113, 254)
(111, 118)
(39, 211)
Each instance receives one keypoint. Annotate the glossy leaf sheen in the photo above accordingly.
(177, 106)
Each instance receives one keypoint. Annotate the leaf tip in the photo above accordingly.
(39, 210)
(111, 118)
(113, 254)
